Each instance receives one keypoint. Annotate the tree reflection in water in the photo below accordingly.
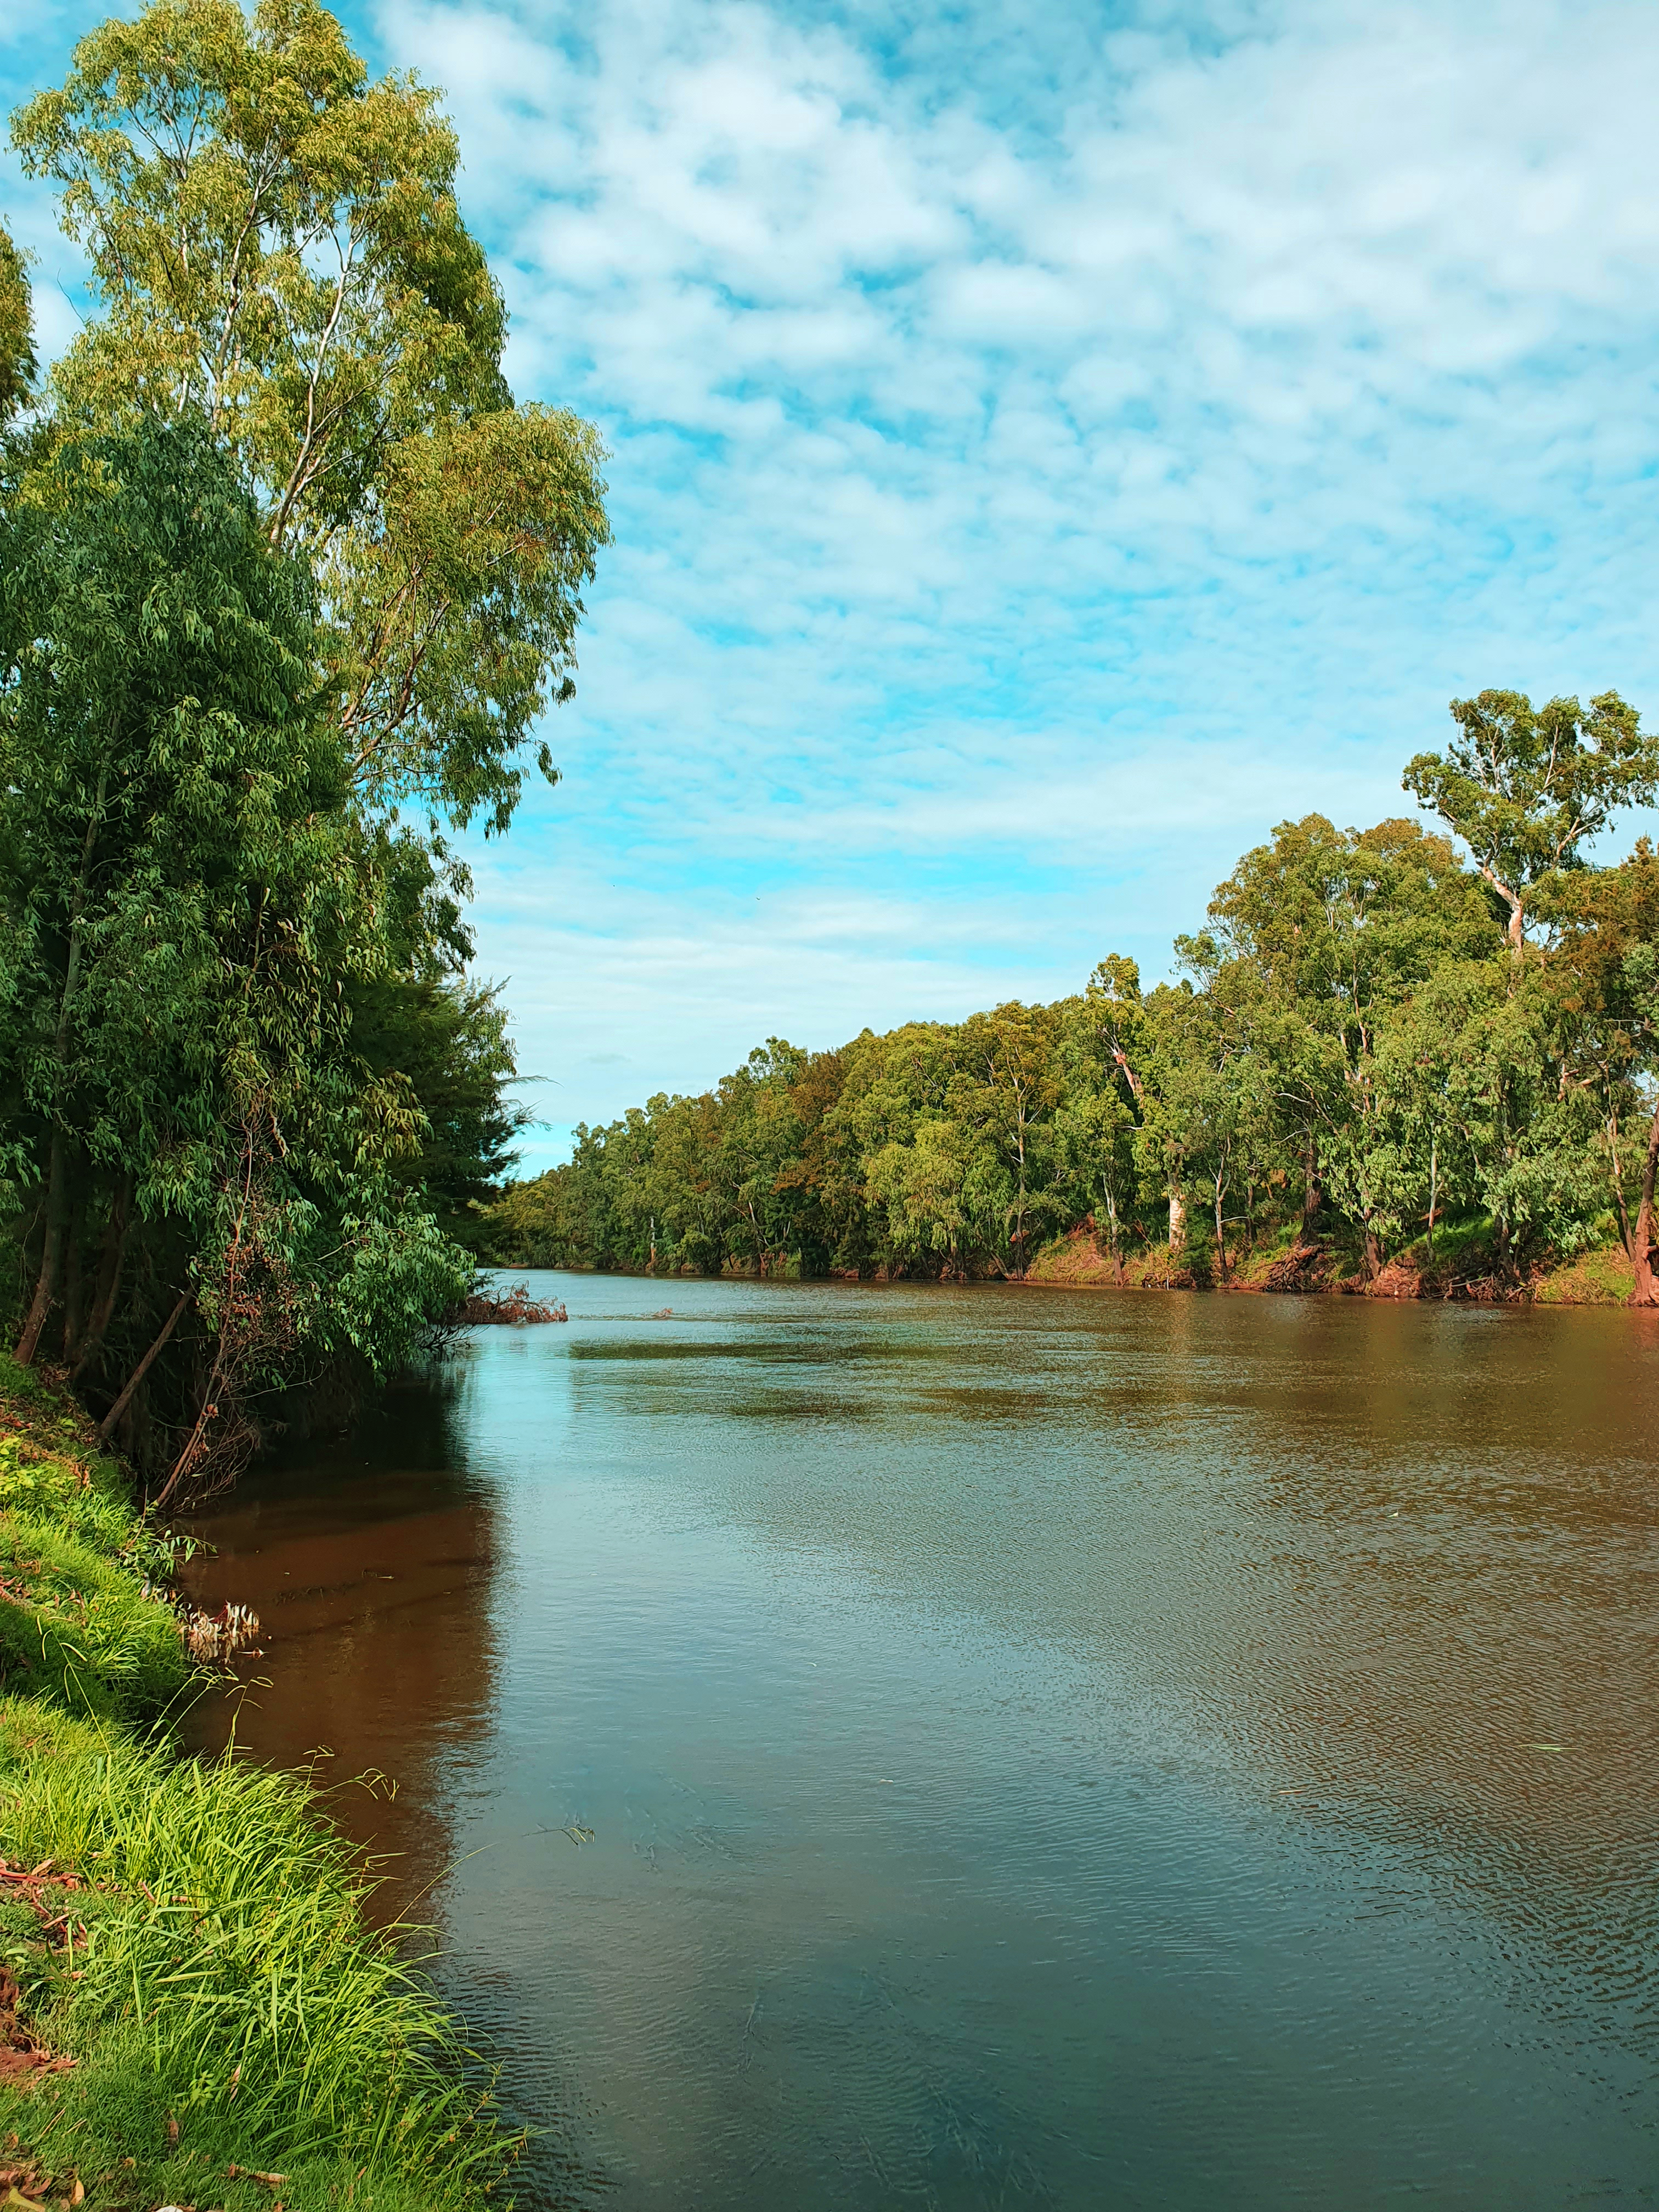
(370, 1567)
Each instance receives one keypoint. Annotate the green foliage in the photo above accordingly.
(286, 579)
(225, 1974)
(1527, 788)
(17, 362)
(187, 892)
(86, 1500)
(1351, 1055)
(278, 247)
(75, 1627)
(77, 1623)
(447, 1039)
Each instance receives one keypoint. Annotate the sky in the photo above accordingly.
(1049, 446)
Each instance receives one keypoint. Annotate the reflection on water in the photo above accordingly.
(370, 1570)
(1040, 1748)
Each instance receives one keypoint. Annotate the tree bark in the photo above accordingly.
(1515, 931)
(106, 1426)
(186, 1462)
(45, 1288)
(109, 1277)
(1646, 1292)
(1221, 1247)
(57, 1170)
(1177, 1222)
(1373, 1253)
(1312, 1194)
(1111, 1216)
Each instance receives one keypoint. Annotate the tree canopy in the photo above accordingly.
(1359, 1056)
(288, 582)
(277, 245)
(17, 362)
(1526, 788)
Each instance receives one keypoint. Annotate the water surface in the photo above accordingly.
(1039, 1749)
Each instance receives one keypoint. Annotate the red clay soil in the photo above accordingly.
(21, 2050)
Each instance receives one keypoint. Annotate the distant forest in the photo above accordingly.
(1435, 1039)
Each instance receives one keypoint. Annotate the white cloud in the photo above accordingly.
(1046, 450)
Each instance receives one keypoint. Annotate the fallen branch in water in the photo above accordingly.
(513, 1309)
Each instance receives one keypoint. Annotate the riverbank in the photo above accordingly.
(1463, 1267)
(194, 2009)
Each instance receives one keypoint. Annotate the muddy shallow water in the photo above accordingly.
(1042, 1748)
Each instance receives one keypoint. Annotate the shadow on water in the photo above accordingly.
(370, 1567)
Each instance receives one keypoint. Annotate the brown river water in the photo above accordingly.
(970, 1748)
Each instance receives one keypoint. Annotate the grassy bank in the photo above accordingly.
(194, 2010)
(1462, 1265)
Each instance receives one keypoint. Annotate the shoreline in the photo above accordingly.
(1601, 1277)
(196, 2007)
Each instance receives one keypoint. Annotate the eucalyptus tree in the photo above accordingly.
(18, 367)
(245, 707)
(447, 1036)
(1604, 975)
(1218, 1079)
(823, 1174)
(1527, 788)
(1326, 933)
(1007, 1087)
(1126, 1025)
(1479, 1047)
(1349, 1041)
(276, 246)
(187, 898)
(1094, 1123)
(923, 1187)
(759, 1134)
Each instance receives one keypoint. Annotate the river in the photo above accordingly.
(896, 1746)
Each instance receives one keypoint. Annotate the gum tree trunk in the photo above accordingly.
(1221, 1247)
(1646, 1292)
(1111, 1216)
(109, 1276)
(1373, 1252)
(106, 1427)
(46, 1285)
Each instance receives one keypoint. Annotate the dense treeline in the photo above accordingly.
(1373, 1039)
(286, 579)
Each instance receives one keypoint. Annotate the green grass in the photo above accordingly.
(78, 1621)
(1462, 1249)
(210, 1967)
(1601, 1277)
(76, 1627)
(1464, 1262)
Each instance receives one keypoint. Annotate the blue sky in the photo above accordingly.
(1049, 445)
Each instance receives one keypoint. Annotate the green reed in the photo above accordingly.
(217, 1970)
